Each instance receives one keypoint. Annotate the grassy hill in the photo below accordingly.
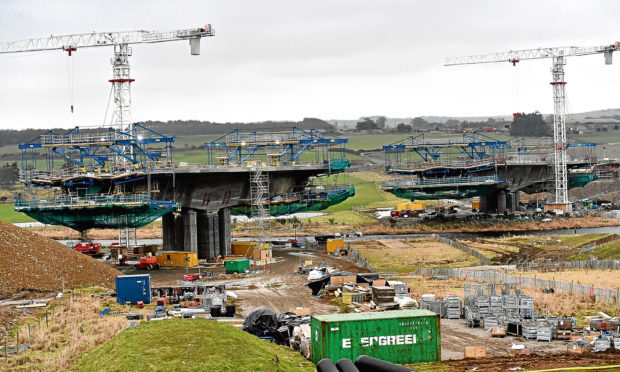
(190, 345)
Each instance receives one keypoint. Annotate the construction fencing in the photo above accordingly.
(600, 294)
(484, 260)
(568, 265)
(360, 260)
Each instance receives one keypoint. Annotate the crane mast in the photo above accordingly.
(558, 83)
(120, 41)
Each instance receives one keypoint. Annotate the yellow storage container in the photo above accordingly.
(177, 259)
(475, 204)
(402, 206)
(334, 245)
(417, 206)
(246, 248)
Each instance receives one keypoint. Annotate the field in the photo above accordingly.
(597, 278)
(408, 255)
(8, 214)
(73, 327)
(512, 249)
(190, 345)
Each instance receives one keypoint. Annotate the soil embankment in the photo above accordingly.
(32, 262)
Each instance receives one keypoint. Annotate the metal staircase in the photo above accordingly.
(259, 205)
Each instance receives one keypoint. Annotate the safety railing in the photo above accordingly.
(440, 181)
(83, 201)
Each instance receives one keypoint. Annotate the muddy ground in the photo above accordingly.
(277, 289)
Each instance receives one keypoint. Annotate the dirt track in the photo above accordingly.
(546, 361)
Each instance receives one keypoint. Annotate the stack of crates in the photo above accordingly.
(490, 322)
(453, 307)
(529, 330)
(544, 333)
(616, 341)
(483, 304)
(496, 303)
(526, 307)
(511, 305)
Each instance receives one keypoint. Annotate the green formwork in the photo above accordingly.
(399, 336)
(237, 266)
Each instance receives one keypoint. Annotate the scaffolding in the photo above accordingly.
(473, 153)
(295, 147)
(259, 210)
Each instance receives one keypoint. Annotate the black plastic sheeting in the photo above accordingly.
(260, 320)
(319, 284)
(264, 323)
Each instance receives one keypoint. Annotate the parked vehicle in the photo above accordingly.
(88, 248)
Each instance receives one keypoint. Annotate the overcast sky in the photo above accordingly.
(286, 60)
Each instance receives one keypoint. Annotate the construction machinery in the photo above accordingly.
(120, 41)
(147, 262)
(88, 248)
(558, 56)
(117, 154)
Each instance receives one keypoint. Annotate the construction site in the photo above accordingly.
(306, 248)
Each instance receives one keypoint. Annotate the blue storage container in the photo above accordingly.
(133, 288)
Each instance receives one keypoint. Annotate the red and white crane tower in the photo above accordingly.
(120, 41)
(558, 56)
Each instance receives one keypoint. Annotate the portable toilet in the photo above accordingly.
(133, 288)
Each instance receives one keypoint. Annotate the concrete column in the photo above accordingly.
(484, 203)
(214, 235)
(517, 200)
(203, 234)
(501, 202)
(190, 236)
(224, 229)
(167, 227)
(178, 233)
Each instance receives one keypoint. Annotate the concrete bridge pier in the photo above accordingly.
(190, 237)
(488, 203)
(204, 232)
(179, 234)
(225, 231)
(501, 201)
(168, 230)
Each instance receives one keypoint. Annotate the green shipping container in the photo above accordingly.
(399, 336)
(237, 266)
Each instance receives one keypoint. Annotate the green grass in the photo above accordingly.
(422, 253)
(190, 345)
(8, 214)
(608, 251)
(367, 193)
(348, 218)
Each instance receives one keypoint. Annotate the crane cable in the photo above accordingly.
(70, 79)
(515, 90)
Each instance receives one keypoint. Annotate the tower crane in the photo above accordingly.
(120, 41)
(558, 56)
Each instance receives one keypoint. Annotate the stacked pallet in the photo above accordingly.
(453, 307)
(382, 295)
(544, 333)
(529, 330)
